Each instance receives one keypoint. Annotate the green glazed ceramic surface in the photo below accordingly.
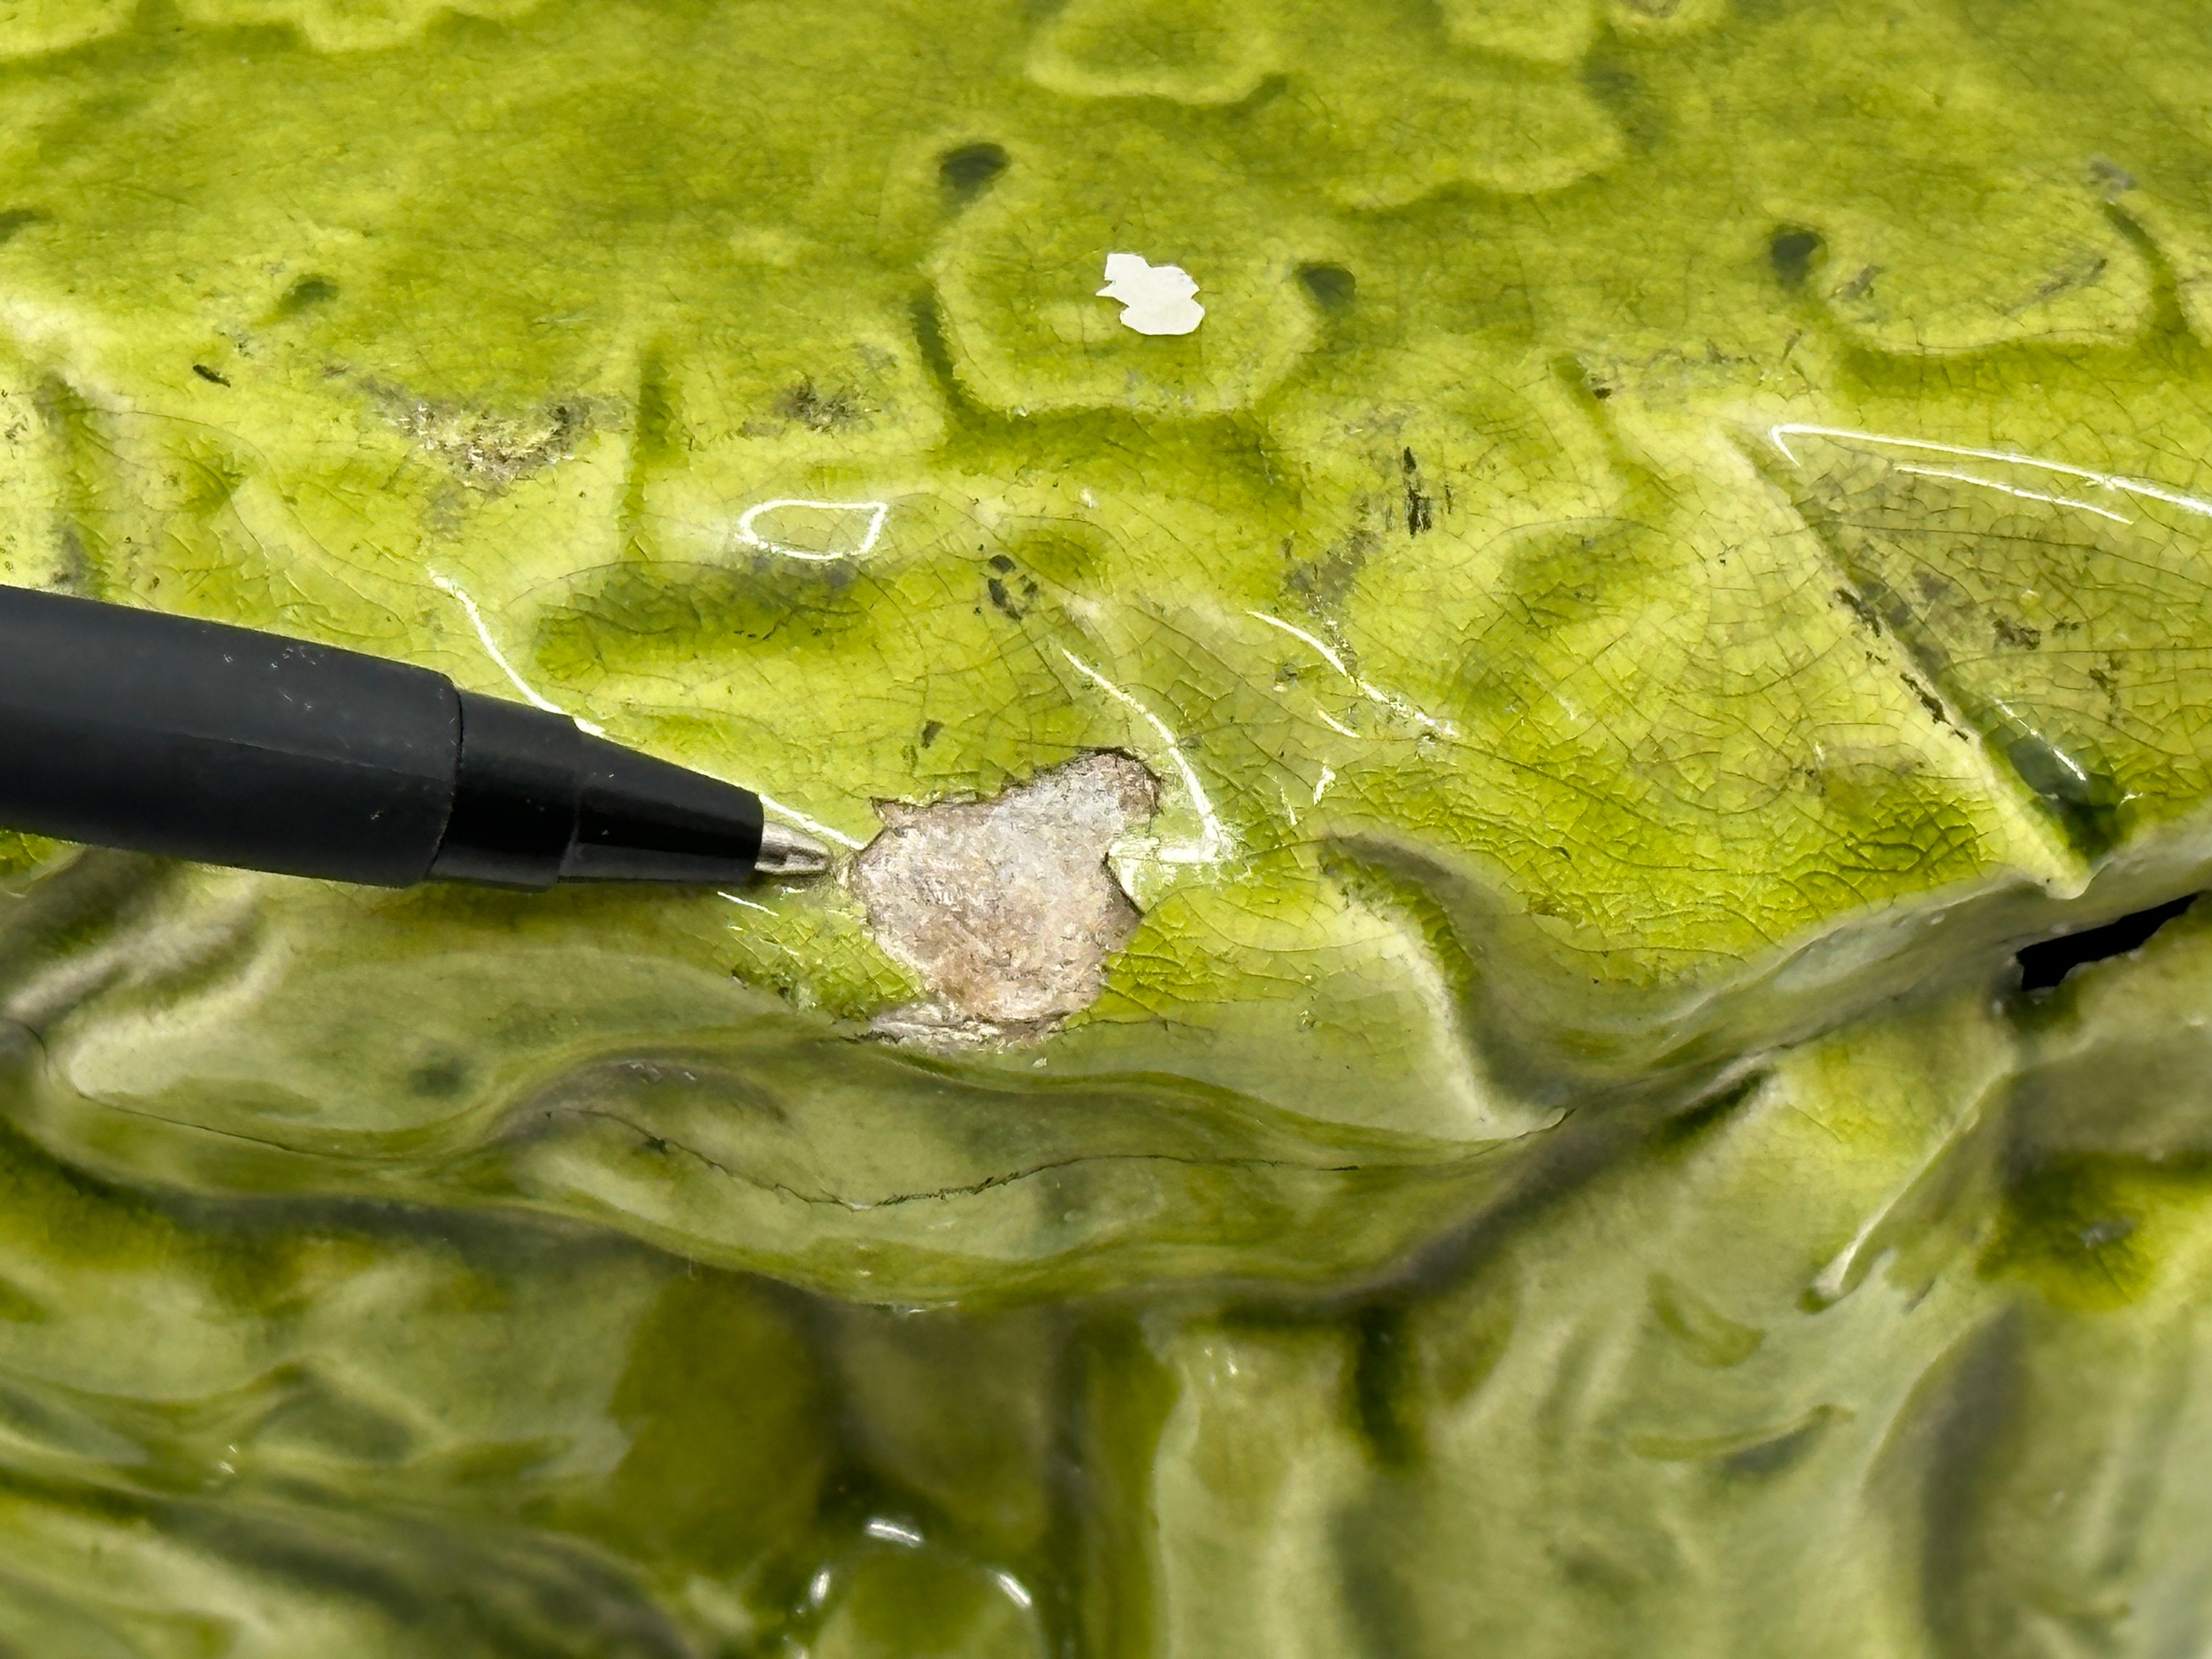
(1680, 540)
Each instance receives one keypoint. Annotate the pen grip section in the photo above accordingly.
(515, 796)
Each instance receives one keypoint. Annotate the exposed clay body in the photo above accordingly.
(1005, 907)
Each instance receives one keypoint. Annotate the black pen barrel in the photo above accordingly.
(122, 727)
(128, 728)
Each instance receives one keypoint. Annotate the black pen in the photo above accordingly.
(128, 728)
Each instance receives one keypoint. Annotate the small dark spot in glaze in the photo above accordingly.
(819, 411)
(1859, 608)
(1333, 286)
(1936, 588)
(1928, 700)
(967, 172)
(1420, 510)
(1792, 253)
(439, 1075)
(305, 295)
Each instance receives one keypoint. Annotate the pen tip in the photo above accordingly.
(785, 852)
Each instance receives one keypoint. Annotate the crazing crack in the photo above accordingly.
(660, 1143)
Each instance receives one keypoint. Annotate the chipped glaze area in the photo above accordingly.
(1006, 908)
(1680, 540)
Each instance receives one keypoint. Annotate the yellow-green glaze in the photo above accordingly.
(1683, 537)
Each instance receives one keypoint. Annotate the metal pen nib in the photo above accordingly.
(785, 852)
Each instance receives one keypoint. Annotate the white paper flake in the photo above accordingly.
(1156, 299)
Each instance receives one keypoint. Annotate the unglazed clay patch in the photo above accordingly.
(1006, 908)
